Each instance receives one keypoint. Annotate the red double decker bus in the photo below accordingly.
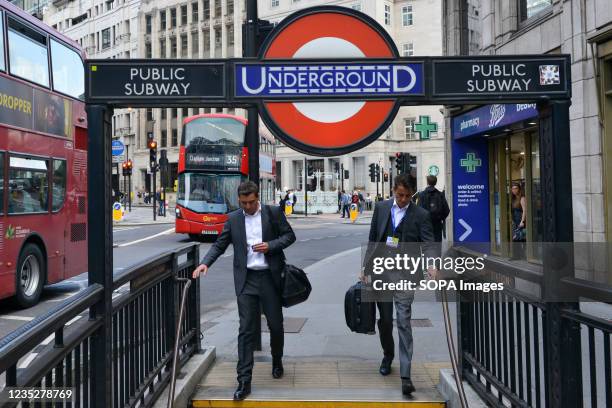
(213, 161)
(43, 157)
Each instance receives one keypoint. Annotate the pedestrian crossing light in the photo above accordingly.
(372, 172)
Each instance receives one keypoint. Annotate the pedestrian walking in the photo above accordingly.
(346, 202)
(258, 234)
(433, 200)
(394, 222)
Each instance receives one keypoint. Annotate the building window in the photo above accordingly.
(407, 16)
(172, 17)
(106, 38)
(148, 20)
(185, 112)
(173, 47)
(164, 113)
(162, 20)
(530, 8)
(206, 9)
(274, 3)
(387, 14)
(217, 37)
(230, 34)
(407, 49)
(356, 6)
(230, 7)
(164, 138)
(183, 45)
(149, 115)
(174, 137)
(195, 44)
(162, 48)
(184, 14)
(194, 12)
(409, 129)
(206, 44)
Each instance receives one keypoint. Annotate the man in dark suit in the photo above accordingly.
(394, 222)
(259, 234)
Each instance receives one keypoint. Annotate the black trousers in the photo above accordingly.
(259, 287)
(385, 328)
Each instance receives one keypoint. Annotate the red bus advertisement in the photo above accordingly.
(43, 157)
(213, 161)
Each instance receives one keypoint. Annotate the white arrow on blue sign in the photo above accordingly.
(468, 229)
(117, 147)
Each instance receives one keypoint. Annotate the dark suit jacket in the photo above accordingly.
(275, 230)
(417, 228)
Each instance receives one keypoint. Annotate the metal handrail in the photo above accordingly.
(178, 338)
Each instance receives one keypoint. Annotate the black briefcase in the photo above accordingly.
(296, 286)
(360, 316)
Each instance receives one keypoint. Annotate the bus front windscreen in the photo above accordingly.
(213, 144)
(208, 193)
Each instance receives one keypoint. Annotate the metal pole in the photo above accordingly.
(252, 130)
(154, 175)
(342, 175)
(390, 180)
(305, 187)
(129, 181)
(381, 174)
(100, 248)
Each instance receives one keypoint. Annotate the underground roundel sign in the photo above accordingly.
(286, 80)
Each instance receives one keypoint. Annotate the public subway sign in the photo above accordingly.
(146, 80)
(503, 76)
(328, 80)
(357, 80)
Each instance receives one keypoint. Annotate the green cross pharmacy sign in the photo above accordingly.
(470, 163)
(425, 127)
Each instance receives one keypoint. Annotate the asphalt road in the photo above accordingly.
(317, 238)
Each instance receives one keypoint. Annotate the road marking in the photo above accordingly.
(125, 228)
(168, 231)
(20, 318)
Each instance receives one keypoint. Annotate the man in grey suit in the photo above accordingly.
(394, 222)
(258, 233)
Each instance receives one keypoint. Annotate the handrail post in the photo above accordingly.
(100, 249)
(195, 302)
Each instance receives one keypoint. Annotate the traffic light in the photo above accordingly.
(128, 167)
(372, 172)
(400, 162)
(152, 144)
(124, 169)
(386, 177)
(412, 164)
(377, 173)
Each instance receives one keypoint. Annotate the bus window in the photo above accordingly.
(1, 183)
(28, 53)
(208, 193)
(68, 71)
(58, 188)
(2, 63)
(28, 185)
(214, 131)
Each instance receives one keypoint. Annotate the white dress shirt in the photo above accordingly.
(398, 213)
(252, 226)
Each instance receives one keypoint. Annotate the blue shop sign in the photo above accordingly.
(489, 117)
(314, 80)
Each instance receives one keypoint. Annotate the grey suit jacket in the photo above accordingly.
(417, 228)
(275, 230)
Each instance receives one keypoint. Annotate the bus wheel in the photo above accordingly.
(30, 276)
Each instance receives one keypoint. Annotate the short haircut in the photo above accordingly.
(431, 180)
(248, 187)
(408, 181)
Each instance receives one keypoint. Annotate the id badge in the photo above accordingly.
(392, 242)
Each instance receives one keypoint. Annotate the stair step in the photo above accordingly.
(320, 384)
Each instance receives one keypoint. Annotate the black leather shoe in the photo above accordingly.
(407, 386)
(385, 366)
(277, 369)
(243, 390)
